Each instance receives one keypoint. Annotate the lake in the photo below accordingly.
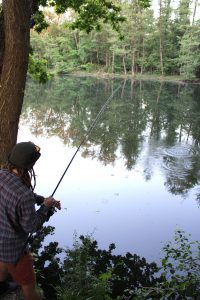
(136, 176)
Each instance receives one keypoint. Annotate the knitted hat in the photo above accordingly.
(24, 155)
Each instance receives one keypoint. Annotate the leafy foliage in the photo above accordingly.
(121, 273)
(79, 280)
(189, 56)
(138, 52)
(102, 50)
(47, 264)
(38, 21)
(180, 272)
(89, 13)
(38, 69)
(88, 272)
(89, 16)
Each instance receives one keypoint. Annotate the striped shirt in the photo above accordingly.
(18, 216)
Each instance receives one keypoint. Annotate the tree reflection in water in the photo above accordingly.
(146, 120)
(137, 168)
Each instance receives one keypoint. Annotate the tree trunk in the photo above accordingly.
(194, 11)
(97, 56)
(2, 38)
(124, 63)
(76, 39)
(142, 64)
(133, 64)
(106, 61)
(16, 24)
(161, 39)
(113, 61)
(161, 56)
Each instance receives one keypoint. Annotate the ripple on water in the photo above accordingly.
(180, 150)
(178, 160)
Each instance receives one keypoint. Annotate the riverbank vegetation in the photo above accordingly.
(166, 44)
(87, 272)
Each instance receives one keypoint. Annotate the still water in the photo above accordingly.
(136, 178)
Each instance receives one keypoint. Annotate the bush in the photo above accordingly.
(180, 271)
(88, 272)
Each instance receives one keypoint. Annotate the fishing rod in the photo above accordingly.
(86, 136)
(53, 209)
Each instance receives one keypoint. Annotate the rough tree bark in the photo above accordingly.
(2, 38)
(14, 50)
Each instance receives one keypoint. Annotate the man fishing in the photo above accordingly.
(19, 218)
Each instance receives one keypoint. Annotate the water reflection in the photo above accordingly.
(163, 118)
(150, 129)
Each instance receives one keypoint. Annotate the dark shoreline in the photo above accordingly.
(176, 79)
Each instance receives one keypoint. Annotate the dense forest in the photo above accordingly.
(165, 44)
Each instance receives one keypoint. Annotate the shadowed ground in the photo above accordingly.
(13, 296)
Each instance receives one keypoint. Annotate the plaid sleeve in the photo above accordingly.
(30, 219)
(38, 199)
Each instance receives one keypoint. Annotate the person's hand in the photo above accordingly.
(51, 202)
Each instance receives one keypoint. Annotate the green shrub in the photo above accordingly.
(180, 271)
(87, 272)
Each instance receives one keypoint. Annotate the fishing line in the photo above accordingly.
(86, 136)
